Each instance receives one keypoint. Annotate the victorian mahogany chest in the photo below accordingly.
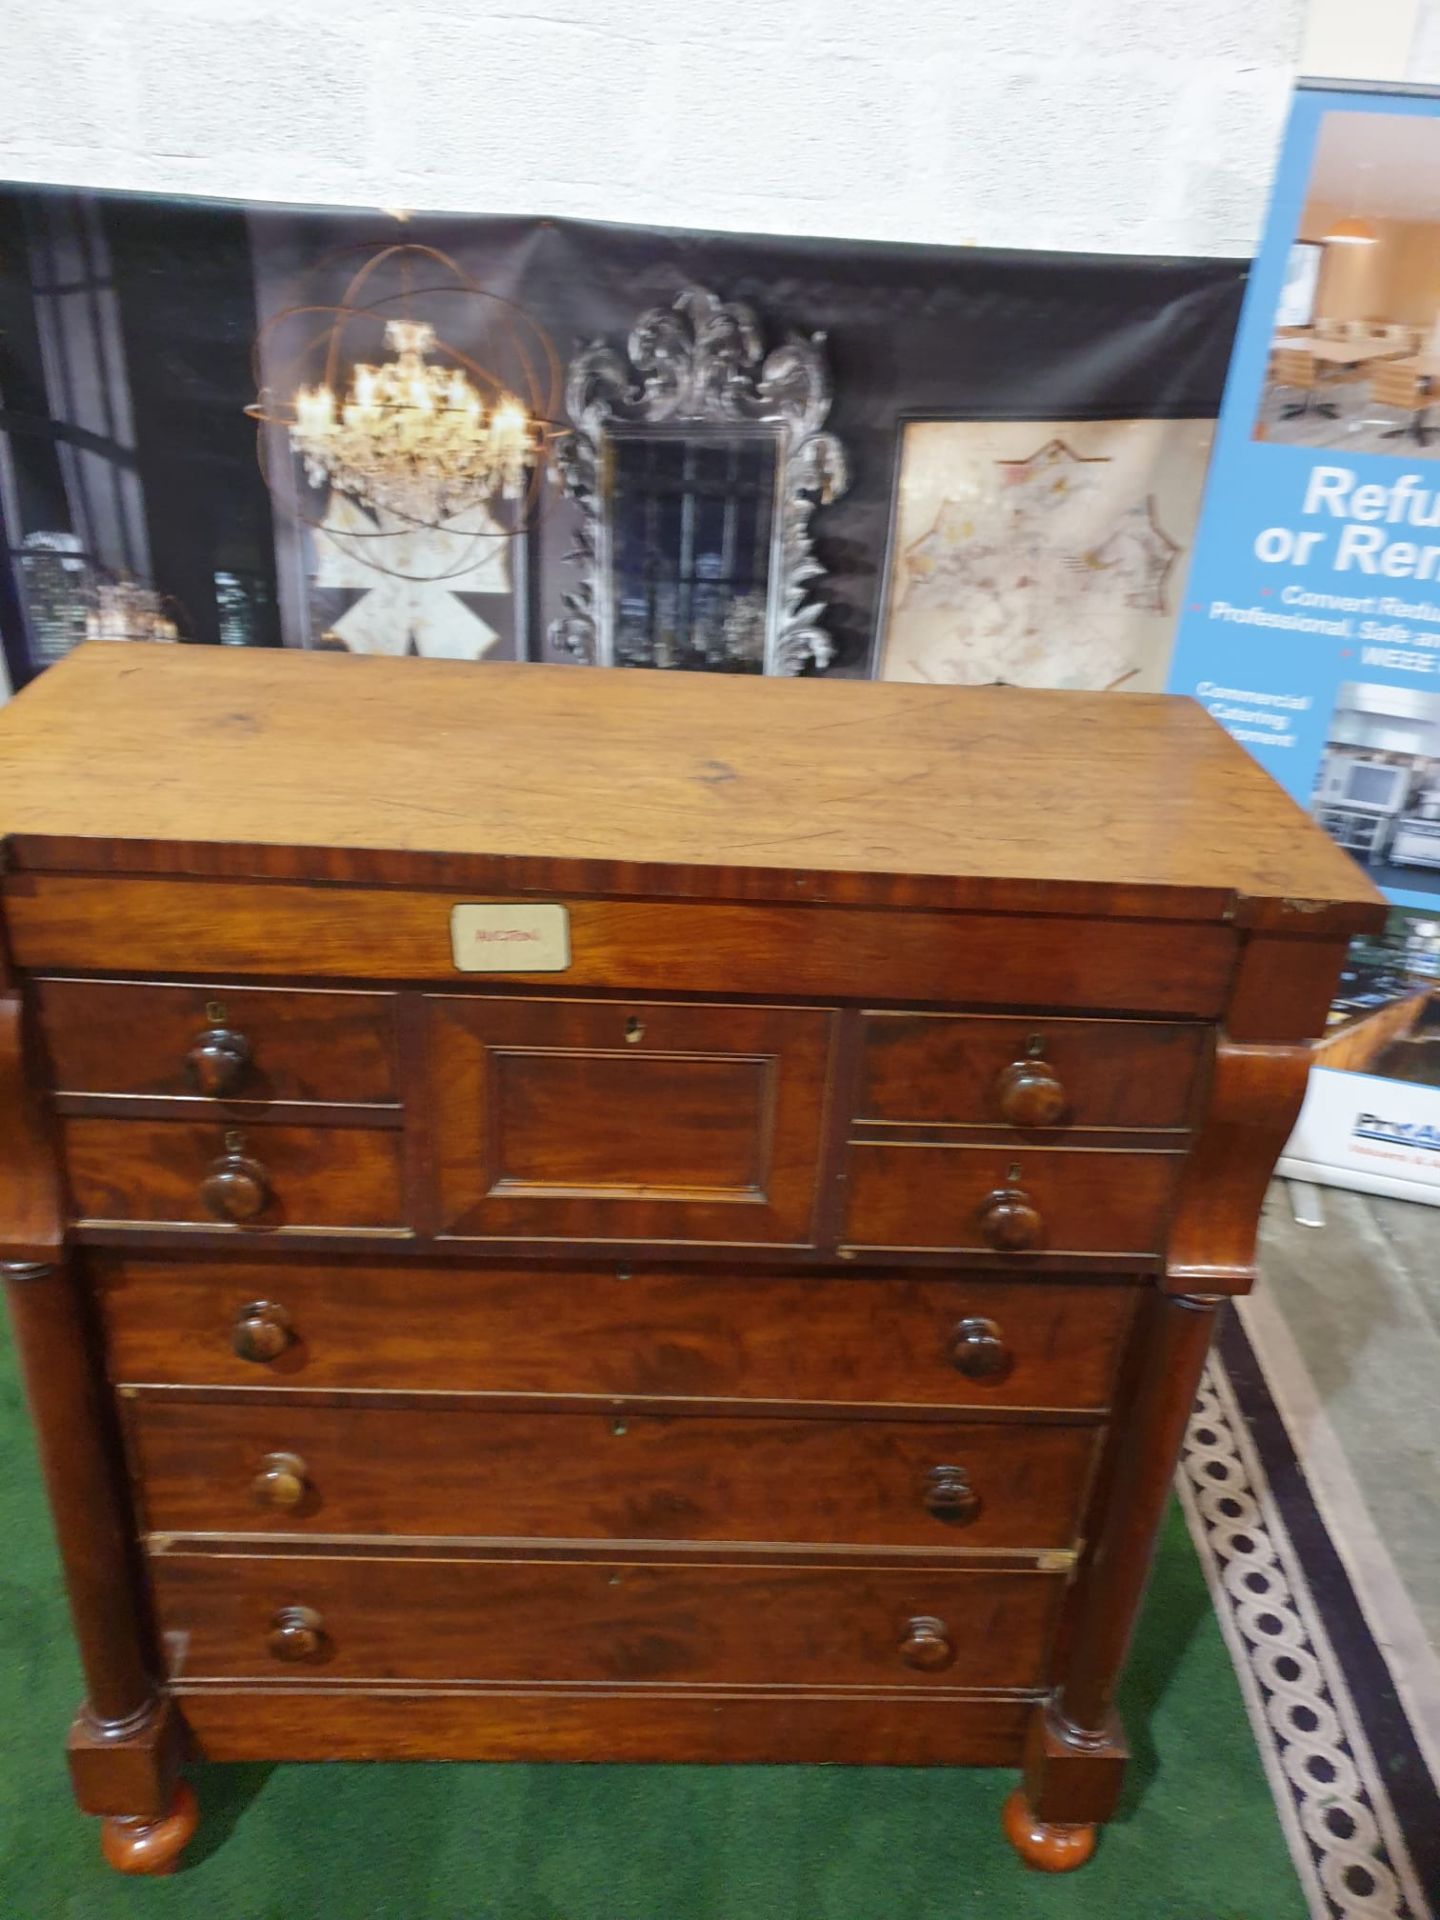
(574, 1215)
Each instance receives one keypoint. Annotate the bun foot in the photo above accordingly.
(1051, 1849)
(137, 1844)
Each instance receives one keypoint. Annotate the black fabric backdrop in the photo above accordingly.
(912, 331)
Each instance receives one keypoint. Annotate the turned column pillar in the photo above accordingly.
(1075, 1750)
(1176, 1348)
(124, 1747)
(81, 1479)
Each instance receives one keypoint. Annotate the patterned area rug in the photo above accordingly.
(1357, 1803)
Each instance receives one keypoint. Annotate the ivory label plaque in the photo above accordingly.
(500, 937)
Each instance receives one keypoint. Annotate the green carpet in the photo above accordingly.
(1197, 1838)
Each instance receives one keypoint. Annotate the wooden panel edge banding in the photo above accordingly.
(910, 1729)
(32, 1207)
(64, 923)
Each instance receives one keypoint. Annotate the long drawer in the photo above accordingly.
(670, 1334)
(227, 1616)
(84, 923)
(222, 1467)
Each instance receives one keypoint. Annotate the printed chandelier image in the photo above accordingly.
(427, 438)
(412, 439)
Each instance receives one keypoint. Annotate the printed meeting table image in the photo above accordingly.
(1339, 353)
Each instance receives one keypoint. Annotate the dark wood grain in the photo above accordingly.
(588, 1621)
(1114, 1073)
(80, 1461)
(131, 1774)
(1253, 1103)
(123, 1036)
(536, 1409)
(231, 1113)
(1076, 1780)
(643, 779)
(156, 1170)
(1173, 1342)
(122, 1749)
(666, 1333)
(1282, 989)
(917, 1729)
(629, 1476)
(588, 1124)
(1091, 1202)
(179, 1238)
(632, 1120)
(32, 1206)
(177, 926)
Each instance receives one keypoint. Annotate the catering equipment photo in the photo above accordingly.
(1377, 792)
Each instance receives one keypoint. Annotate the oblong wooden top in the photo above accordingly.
(187, 759)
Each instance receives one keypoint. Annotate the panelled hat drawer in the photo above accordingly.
(627, 1119)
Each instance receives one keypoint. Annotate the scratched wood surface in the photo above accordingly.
(210, 760)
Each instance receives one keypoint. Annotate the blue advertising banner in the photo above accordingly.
(1311, 621)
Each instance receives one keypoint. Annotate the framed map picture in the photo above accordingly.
(1041, 553)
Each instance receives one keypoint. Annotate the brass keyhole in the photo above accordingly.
(215, 1013)
(634, 1031)
(234, 1141)
(1035, 1047)
(617, 1427)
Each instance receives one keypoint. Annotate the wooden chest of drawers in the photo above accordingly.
(731, 1291)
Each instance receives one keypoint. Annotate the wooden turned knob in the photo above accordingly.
(262, 1331)
(281, 1481)
(1009, 1221)
(1029, 1094)
(978, 1351)
(218, 1062)
(235, 1188)
(296, 1633)
(949, 1495)
(926, 1643)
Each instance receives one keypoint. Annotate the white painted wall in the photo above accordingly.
(1130, 126)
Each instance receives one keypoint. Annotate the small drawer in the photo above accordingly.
(1009, 1201)
(666, 1334)
(222, 1467)
(220, 1042)
(265, 1617)
(1035, 1074)
(261, 1176)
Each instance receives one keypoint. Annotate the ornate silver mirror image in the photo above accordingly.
(696, 463)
